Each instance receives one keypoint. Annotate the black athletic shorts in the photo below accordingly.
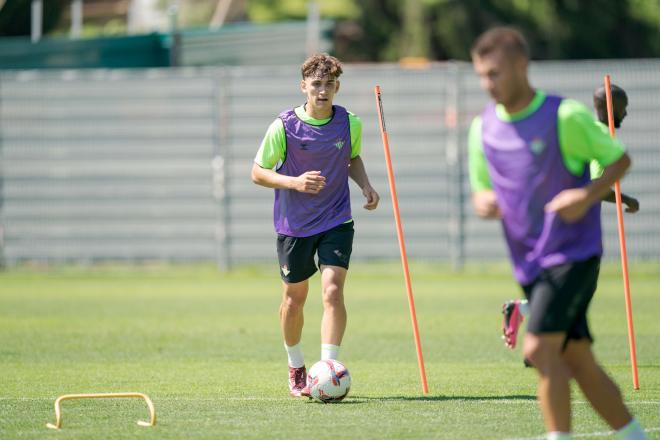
(296, 254)
(560, 296)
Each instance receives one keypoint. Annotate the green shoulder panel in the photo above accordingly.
(583, 139)
(273, 146)
(355, 124)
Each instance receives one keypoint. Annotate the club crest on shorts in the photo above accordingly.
(285, 270)
(340, 255)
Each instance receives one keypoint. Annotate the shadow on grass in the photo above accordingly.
(447, 398)
(347, 401)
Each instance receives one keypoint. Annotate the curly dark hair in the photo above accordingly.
(320, 65)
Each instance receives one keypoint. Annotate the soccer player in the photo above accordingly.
(514, 311)
(529, 157)
(307, 156)
(619, 112)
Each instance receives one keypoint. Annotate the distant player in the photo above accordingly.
(529, 166)
(515, 310)
(619, 112)
(307, 156)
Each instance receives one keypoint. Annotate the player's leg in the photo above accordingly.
(601, 391)
(292, 316)
(334, 249)
(544, 352)
(598, 388)
(333, 323)
(558, 299)
(291, 322)
(521, 304)
(296, 260)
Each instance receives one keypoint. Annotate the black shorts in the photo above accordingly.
(296, 254)
(560, 296)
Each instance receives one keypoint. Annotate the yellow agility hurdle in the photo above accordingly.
(59, 400)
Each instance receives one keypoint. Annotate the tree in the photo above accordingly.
(15, 16)
(387, 30)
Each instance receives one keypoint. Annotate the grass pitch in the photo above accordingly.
(207, 349)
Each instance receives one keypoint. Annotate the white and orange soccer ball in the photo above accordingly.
(328, 381)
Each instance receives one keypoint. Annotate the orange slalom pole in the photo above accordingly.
(402, 245)
(622, 244)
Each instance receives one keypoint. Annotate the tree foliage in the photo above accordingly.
(386, 30)
(276, 10)
(15, 16)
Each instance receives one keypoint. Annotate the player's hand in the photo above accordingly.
(485, 204)
(632, 204)
(310, 182)
(571, 204)
(372, 198)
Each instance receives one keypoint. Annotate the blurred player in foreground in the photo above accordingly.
(529, 166)
(515, 310)
(307, 156)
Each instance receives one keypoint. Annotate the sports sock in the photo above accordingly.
(295, 354)
(329, 351)
(632, 431)
(523, 306)
(558, 435)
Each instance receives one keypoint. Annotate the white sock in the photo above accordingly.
(558, 435)
(329, 351)
(632, 431)
(523, 306)
(295, 354)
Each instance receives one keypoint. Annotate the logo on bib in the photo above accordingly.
(537, 145)
(339, 143)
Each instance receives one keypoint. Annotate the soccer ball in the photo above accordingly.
(328, 381)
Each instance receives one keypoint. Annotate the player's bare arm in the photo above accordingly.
(358, 173)
(485, 204)
(572, 204)
(311, 182)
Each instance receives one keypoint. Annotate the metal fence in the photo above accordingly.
(154, 164)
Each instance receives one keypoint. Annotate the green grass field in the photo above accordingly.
(206, 348)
